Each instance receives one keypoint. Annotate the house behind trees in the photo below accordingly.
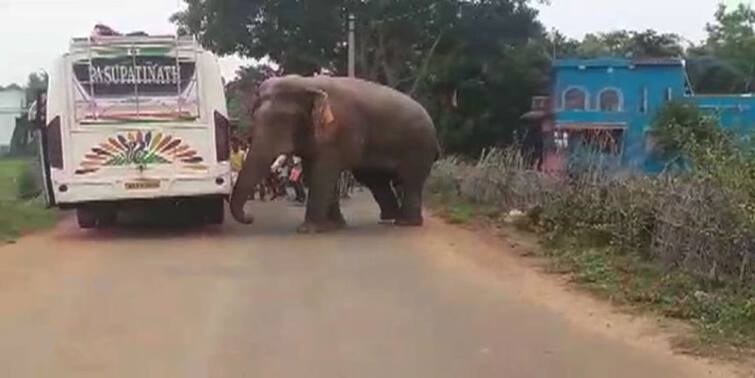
(12, 106)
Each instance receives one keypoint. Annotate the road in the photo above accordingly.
(262, 301)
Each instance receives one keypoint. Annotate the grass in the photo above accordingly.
(11, 171)
(17, 216)
(724, 316)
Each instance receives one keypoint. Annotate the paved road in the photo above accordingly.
(371, 301)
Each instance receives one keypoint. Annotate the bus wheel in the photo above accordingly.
(214, 210)
(86, 217)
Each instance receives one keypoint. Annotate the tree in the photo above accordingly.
(307, 37)
(651, 44)
(238, 91)
(726, 62)
(301, 36)
(710, 74)
(36, 83)
(557, 45)
(623, 43)
(483, 77)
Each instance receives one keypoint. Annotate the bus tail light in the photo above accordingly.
(54, 143)
(222, 137)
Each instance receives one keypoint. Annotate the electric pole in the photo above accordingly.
(352, 46)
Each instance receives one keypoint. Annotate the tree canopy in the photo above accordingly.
(725, 62)
(37, 82)
(621, 43)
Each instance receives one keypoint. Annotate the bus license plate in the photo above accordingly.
(142, 185)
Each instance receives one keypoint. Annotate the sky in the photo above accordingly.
(34, 32)
(575, 18)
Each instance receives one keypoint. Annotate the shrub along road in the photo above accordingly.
(371, 301)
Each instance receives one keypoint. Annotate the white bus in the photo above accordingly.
(134, 120)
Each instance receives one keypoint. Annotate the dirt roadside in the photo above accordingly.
(510, 256)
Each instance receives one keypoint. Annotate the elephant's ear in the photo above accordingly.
(324, 122)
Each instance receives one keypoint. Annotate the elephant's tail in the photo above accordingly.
(438, 152)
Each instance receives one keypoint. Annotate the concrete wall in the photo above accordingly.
(735, 112)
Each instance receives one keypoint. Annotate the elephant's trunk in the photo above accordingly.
(256, 168)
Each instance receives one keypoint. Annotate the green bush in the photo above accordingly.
(29, 181)
(20, 210)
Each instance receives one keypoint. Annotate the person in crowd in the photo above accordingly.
(237, 159)
(295, 179)
(279, 175)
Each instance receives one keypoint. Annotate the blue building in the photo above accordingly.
(611, 103)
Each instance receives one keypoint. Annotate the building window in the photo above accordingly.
(575, 99)
(609, 100)
(644, 100)
(668, 95)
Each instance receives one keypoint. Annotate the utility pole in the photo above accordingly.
(352, 46)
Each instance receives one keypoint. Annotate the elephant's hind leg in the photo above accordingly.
(412, 180)
(411, 205)
(379, 184)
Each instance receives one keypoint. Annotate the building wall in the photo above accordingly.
(644, 89)
(735, 112)
(12, 106)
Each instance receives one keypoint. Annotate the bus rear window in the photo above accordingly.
(135, 86)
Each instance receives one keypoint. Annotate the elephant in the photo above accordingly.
(384, 137)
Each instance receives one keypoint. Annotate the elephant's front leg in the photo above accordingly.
(323, 213)
(335, 217)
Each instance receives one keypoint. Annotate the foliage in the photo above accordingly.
(19, 212)
(29, 181)
(238, 91)
(302, 36)
(632, 44)
(21, 143)
(679, 124)
(36, 83)
(725, 62)
(732, 39)
(620, 43)
(480, 83)
(310, 37)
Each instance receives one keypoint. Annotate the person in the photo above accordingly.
(237, 159)
(279, 163)
(295, 178)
